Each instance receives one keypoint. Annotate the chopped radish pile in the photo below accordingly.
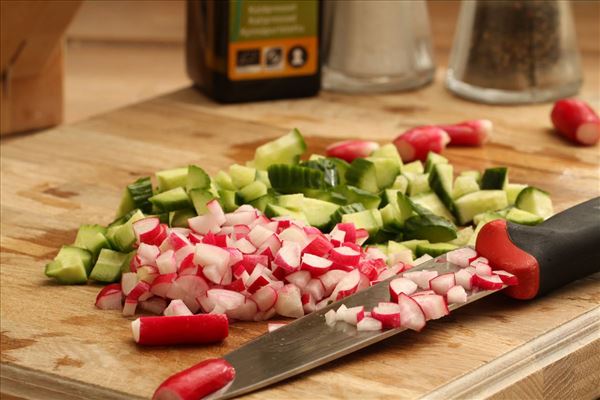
(419, 296)
(246, 266)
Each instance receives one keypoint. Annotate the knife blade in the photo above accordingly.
(309, 342)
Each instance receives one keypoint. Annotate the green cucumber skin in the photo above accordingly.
(171, 200)
(438, 181)
(494, 178)
(109, 266)
(362, 175)
(535, 201)
(291, 179)
(197, 178)
(434, 249)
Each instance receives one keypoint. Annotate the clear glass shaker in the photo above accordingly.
(514, 51)
(376, 45)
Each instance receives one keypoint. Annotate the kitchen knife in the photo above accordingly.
(562, 249)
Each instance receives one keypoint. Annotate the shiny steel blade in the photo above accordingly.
(308, 342)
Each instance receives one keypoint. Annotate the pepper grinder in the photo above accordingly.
(514, 51)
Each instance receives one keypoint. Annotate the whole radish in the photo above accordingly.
(415, 143)
(469, 133)
(577, 121)
(348, 150)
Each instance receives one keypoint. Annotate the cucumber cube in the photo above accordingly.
(196, 178)
(109, 265)
(241, 176)
(171, 178)
(171, 200)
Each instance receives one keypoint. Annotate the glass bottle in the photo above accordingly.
(514, 51)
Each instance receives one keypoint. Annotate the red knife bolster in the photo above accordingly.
(494, 243)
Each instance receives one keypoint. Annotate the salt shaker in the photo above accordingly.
(514, 51)
(376, 46)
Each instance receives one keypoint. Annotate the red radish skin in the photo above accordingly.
(411, 313)
(487, 282)
(180, 329)
(577, 121)
(401, 285)
(415, 143)
(319, 246)
(469, 133)
(348, 150)
(345, 255)
(196, 382)
(316, 265)
(110, 297)
(388, 314)
(147, 229)
(507, 278)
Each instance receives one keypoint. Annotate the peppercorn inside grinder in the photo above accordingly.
(510, 52)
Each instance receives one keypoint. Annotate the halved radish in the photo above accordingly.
(442, 283)
(315, 265)
(464, 278)
(369, 324)
(154, 305)
(110, 297)
(345, 255)
(330, 317)
(411, 313)
(401, 285)
(469, 133)
(299, 278)
(388, 314)
(507, 278)
(146, 229)
(348, 150)
(350, 284)
(488, 282)
(289, 303)
(265, 298)
(421, 278)
(273, 326)
(456, 294)
(434, 306)
(461, 257)
(177, 307)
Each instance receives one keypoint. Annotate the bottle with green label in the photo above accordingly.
(246, 50)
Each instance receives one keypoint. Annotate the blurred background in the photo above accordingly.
(121, 52)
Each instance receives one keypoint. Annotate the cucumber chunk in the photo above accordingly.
(390, 152)
(289, 179)
(434, 159)
(241, 176)
(263, 176)
(440, 180)
(273, 211)
(109, 265)
(356, 195)
(136, 195)
(284, 150)
(362, 174)
(331, 175)
(171, 200)
(347, 209)
(512, 192)
(171, 178)
(417, 183)
(92, 238)
(473, 173)
(223, 181)
(400, 184)
(494, 178)
(414, 167)
(319, 213)
(412, 244)
(199, 198)
(386, 171)
(463, 236)
(471, 204)
(535, 201)
(370, 220)
(433, 203)
(429, 227)
(435, 249)
(523, 217)
(228, 200)
(124, 236)
(70, 266)
(326, 195)
(179, 218)
(196, 178)
(487, 216)
(260, 203)
(464, 184)
(291, 201)
(397, 252)
(252, 191)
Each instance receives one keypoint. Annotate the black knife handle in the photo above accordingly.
(561, 249)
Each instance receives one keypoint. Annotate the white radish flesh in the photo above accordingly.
(401, 285)
(456, 294)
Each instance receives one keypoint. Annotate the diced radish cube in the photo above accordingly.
(227, 299)
(354, 315)
(330, 318)
(315, 265)
(434, 306)
(488, 282)
(331, 278)
(299, 278)
(442, 283)
(421, 278)
(288, 257)
(161, 285)
(345, 255)
(289, 303)
(244, 312)
(411, 313)
(177, 307)
(319, 246)
(146, 229)
(110, 297)
(128, 282)
(294, 234)
(166, 263)
(457, 294)
(464, 278)
(154, 305)
(401, 285)
(369, 324)
(265, 298)
(315, 288)
(388, 314)
(461, 257)
(351, 283)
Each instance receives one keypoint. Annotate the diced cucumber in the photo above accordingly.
(136, 195)
(326, 195)
(228, 200)
(252, 191)
(391, 218)
(440, 181)
(109, 265)
(199, 198)
(433, 203)
(494, 178)
(435, 249)
(388, 151)
(291, 201)
(512, 192)
(263, 176)
(180, 218)
(463, 236)
(331, 175)
(290, 179)
(383, 236)
(412, 244)
(523, 217)
(342, 167)
(223, 181)
(126, 266)
(471, 204)
(347, 209)
(464, 184)
(535, 201)
(241, 176)
(362, 174)
(487, 216)
(429, 227)
(400, 184)
(171, 178)
(433, 159)
(272, 211)
(197, 178)
(370, 220)
(171, 200)
(475, 174)
(417, 183)
(260, 203)
(397, 252)
(319, 213)
(414, 167)
(92, 238)
(124, 236)
(396, 212)
(70, 266)
(284, 150)
(356, 195)
(386, 171)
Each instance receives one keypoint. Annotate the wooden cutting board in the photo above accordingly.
(57, 345)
